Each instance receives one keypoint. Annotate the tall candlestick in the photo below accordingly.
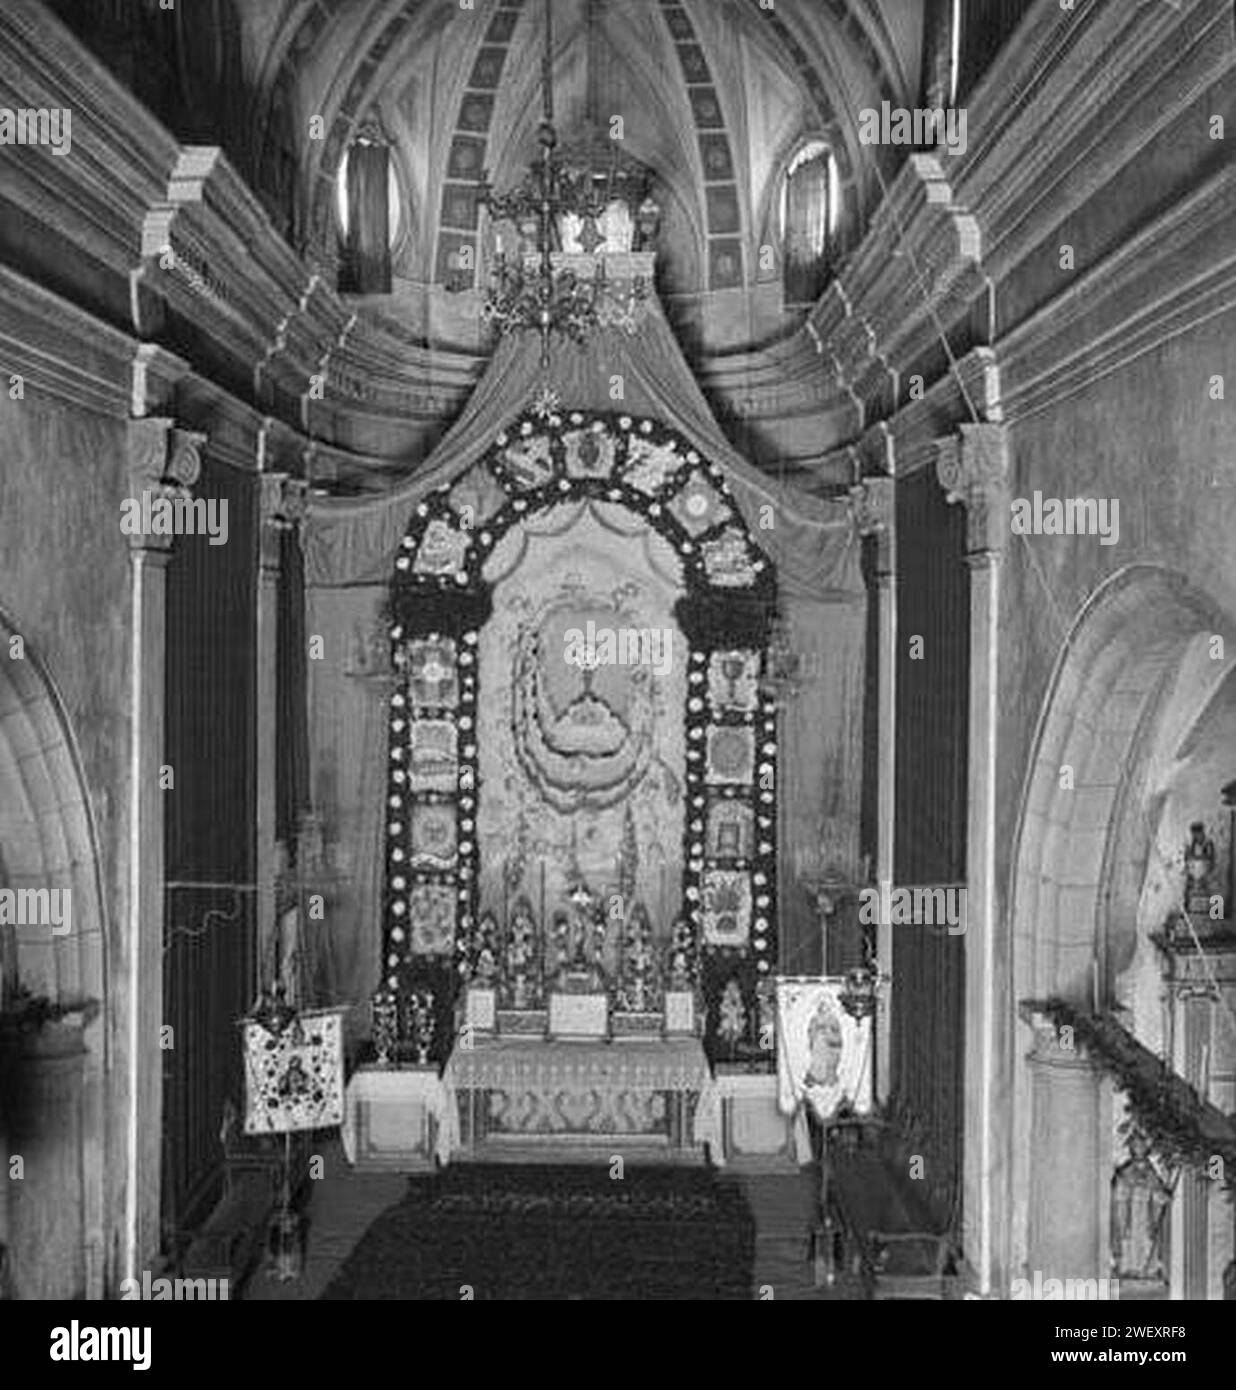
(1094, 968)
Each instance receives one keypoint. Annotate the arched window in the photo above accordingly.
(810, 205)
(370, 207)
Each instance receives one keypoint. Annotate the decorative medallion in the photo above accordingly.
(730, 755)
(589, 453)
(699, 506)
(431, 919)
(434, 757)
(442, 549)
(477, 497)
(649, 465)
(728, 562)
(731, 830)
(529, 462)
(433, 835)
(433, 681)
(733, 681)
(727, 907)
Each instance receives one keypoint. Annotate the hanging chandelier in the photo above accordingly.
(573, 241)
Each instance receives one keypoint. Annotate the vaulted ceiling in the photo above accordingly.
(710, 91)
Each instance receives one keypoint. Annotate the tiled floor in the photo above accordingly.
(345, 1203)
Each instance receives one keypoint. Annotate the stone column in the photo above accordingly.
(972, 467)
(875, 515)
(1070, 1188)
(282, 504)
(163, 461)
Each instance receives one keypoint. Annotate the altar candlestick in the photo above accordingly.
(1094, 974)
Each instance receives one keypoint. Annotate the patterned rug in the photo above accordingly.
(556, 1232)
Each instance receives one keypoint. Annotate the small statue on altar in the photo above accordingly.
(521, 958)
(638, 989)
(486, 971)
(731, 1016)
(682, 956)
(1140, 1199)
(579, 940)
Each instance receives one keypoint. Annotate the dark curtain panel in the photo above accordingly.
(806, 232)
(209, 928)
(986, 26)
(292, 739)
(927, 1022)
(369, 252)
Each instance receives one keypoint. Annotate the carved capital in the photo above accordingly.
(973, 468)
(282, 500)
(872, 505)
(165, 462)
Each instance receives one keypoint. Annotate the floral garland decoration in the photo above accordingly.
(1182, 1128)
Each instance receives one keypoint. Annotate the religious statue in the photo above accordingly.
(1199, 864)
(523, 982)
(486, 971)
(732, 1016)
(580, 938)
(1140, 1200)
(682, 956)
(638, 988)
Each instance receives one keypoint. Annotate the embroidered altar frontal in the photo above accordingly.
(658, 1093)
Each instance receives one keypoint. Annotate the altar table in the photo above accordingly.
(555, 1098)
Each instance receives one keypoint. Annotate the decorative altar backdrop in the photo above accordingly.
(350, 550)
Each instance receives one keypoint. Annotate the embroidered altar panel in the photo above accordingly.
(582, 764)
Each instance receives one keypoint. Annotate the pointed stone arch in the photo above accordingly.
(1079, 856)
(49, 840)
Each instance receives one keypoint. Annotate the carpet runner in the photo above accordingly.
(556, 1232)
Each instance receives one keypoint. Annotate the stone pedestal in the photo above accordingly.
(394, 1119)
(755, 1135)
(1070, 1177)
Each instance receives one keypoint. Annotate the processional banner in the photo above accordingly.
(823, 1052)
(294, 1077)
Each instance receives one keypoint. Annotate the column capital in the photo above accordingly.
(972, 467)
(282, 499)
(873, 509)
(282, 504)
(165, 461)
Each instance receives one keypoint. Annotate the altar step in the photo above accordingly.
(580, 1148)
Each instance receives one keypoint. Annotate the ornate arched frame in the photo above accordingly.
(440, 597)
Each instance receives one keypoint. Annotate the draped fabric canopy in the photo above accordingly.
(811, 541)
(350, 551)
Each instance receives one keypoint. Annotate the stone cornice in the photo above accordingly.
(1049, 126)
(61, 351)
(1052, 121)
(1158, 284)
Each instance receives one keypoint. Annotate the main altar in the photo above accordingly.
(585, 641)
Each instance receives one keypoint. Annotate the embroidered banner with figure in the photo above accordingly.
(823, 1053)
(294, 1078)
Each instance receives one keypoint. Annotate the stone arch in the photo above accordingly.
(1079, 859)
(49, 839)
